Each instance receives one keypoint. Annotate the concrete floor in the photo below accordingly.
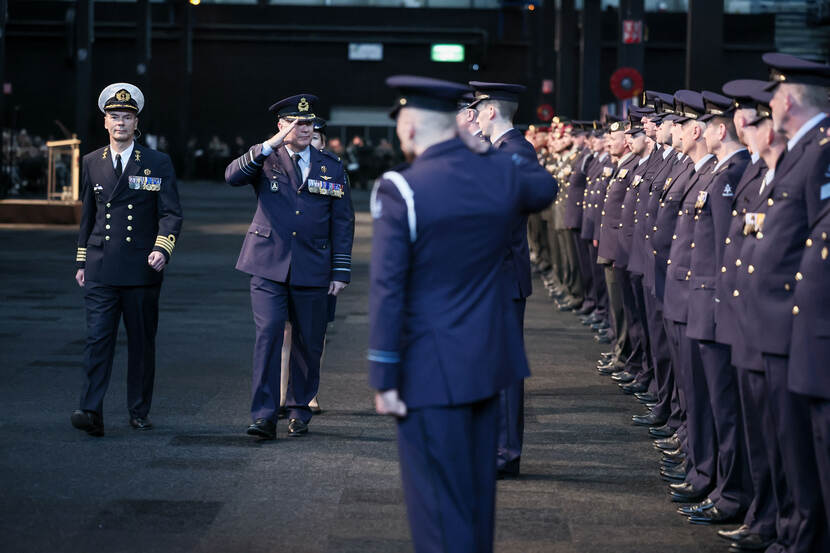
(196, 483)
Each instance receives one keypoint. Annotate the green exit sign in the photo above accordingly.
(447, 52)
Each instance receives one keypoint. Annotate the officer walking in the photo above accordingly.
(443, 336)
(130, 221)
(297, 251)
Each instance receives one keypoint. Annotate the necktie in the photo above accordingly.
(118, 168)
(296, 159)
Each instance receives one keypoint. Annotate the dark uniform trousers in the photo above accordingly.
(105, 305)
(274, 303)
(661, 358)
(512, 412)
(450, 499)
(585, 272)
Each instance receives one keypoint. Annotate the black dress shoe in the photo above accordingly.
(608, 368)
(585, 310)
(602, 324)
(694, 508)
(316, 410)
(664, 431)
(751, 542)
(735, 535)
(510, 469)
(674, 456)
(686, 493)
(282, 413)
(669, 462)
(88, 421)
(647, 420)
(263, 428)
(633, 387)
(602, 339)
(667, 444)
(296, 427)
(646, 397)
(607, 355)
(712, 516)
(141, 423)
(674, 474)
(624, 377)
(568, 306)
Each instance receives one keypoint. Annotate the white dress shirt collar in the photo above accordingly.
(721, 162)
(702, 162)
(125, 155)
(805, 128)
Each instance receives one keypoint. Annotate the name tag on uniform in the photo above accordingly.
(325, 188)
(702, 196)
(151, 184)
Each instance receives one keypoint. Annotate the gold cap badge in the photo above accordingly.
(303, 105)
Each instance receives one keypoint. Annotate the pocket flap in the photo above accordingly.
(259, 230)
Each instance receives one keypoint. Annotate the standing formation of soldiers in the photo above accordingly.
(693, 238)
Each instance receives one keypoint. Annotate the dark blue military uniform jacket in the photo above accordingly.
(514, 143)
(810, 348)
(713, 207)
(442, 331)
(125, 219)
(595, 184)
(662, 231)
(636, 194)
(645, 227)
(678, 266)
(611, 221)
(635, 233)
(575, 191)
(793, 203)
(727, 298)
(301, 232)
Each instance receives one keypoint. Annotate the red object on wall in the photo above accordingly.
(632, 31)
(544, 112)
(626, 82)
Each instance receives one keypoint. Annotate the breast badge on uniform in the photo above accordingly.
(702, 196)
(727, 191)
(275, 186)
(622, 173)
(753, 223)
(150, 184)
(147, 172)
(667, 183)
(607, 171)
(637, 180)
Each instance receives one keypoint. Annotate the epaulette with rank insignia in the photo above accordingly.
(330, 154)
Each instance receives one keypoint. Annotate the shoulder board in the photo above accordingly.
(330, 154)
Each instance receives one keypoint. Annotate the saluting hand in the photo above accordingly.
(276, 141)
(389, 403)
(156, 261)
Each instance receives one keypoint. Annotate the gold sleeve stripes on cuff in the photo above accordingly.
(167, 243)
(81, 254)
